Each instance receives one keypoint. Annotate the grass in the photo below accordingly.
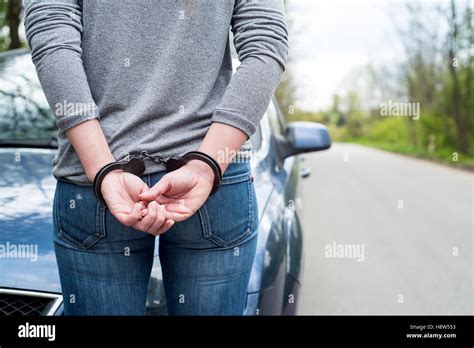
(442, 155)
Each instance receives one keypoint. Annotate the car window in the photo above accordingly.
(281, 117)
(274, 117)
(24, 111)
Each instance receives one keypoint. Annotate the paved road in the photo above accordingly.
(386, 234)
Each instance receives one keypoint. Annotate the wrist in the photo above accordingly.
(203, 169)
(133, 166)
(222, 161)
(93, 169)
(211, 166)
(113, 174)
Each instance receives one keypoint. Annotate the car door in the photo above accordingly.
(270, 291)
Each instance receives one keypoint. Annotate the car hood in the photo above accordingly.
(27, 186)
(27, 259)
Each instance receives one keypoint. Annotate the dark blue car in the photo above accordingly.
(29, 282)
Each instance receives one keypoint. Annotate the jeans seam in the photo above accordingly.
(71, 241)
(250, 225)
(100, 220)
(204, 217)
(55, 207)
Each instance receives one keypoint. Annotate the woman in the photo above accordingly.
(125, 77)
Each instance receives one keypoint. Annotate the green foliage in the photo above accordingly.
(10, 12)
(299, 115)
(391, 130)
(3, 39)
(437, 77)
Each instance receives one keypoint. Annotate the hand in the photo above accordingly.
(182, 191)
(121, 192)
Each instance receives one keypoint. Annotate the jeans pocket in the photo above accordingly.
(79, 216)
(228, 216)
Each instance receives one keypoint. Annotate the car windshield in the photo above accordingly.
(25, 116)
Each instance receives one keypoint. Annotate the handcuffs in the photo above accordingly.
(135, 164)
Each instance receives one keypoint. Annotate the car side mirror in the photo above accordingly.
(302, 137)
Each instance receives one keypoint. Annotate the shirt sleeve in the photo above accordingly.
(261, 42)
(53, 30)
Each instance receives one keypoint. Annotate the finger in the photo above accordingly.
(136, 211)
(161, 187)
(144, 188)
(165, 199)
(165, 227)
(147, 221)
(178, 217)
(125, 219)
(159, 221)
(142, 223)
(130, 217)
(143, 210)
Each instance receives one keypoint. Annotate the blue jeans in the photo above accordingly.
(206, 260)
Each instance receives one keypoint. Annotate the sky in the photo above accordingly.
(331, 38)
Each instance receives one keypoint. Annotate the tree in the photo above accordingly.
(469, 100)
(13, 20)
(285, 93)
(10, 16)
(438, 71)
(452, 41)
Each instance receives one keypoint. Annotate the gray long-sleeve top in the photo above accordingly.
(156, 73)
